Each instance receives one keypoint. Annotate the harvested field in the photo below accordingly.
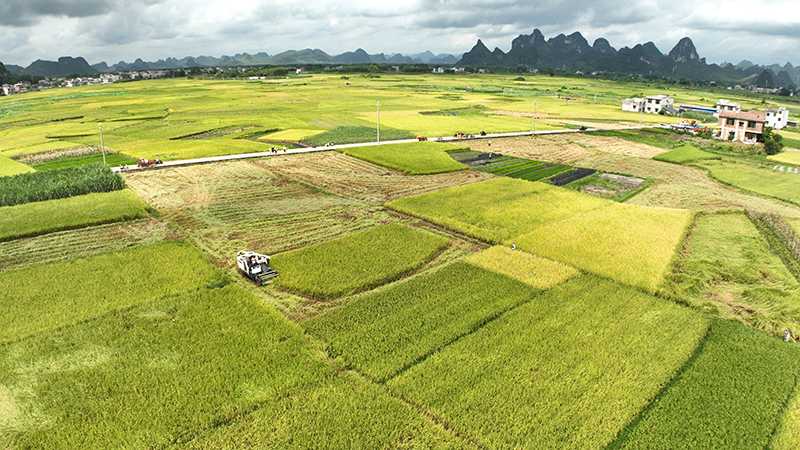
(83, 242)
(352, 178)
(610, 145)
(683, 187)
(540, 148)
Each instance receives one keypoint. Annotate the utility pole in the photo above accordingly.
(533, 130)
(102, 146)
(379, 122)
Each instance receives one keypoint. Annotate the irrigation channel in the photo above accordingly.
(212, 159)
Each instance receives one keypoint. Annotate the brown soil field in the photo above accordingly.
(540, 148)
(359, 180)
(610, 145)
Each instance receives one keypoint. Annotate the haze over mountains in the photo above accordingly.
(572, 53)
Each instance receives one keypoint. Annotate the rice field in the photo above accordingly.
(51, 295)
(569, 369)
(499, 210)
(629, 244)
(728, 269)
(530, 269)
(356, 262)
(10, 167)
(706, 406)
(383, 332)
(762, 180)
(33, 219)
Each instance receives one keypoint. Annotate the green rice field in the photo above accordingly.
(38, 218)
(418, 158)
(356, 262)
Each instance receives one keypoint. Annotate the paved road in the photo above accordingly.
(211, 159)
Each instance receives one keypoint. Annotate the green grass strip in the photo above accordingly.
(385, 331)
(682, 155)
(356, 262)
(416, 158)
(33, 219)
(730, 397)
(51, 295)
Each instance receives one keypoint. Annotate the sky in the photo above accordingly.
(124, 30)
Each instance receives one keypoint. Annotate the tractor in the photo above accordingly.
(256, 267)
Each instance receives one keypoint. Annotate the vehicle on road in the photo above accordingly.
(148, 162)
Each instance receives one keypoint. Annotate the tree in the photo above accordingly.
(374, 69)
(772, 141)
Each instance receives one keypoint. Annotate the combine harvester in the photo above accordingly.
(256, 267)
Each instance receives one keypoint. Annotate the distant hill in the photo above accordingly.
(65, 65)
(574, 53)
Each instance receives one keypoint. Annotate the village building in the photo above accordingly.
(633, 104)
(655, 103)
(727, 106)
(742, 126)
(777, 118)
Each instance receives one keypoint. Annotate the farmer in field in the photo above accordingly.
(788, 336)
(514, 245)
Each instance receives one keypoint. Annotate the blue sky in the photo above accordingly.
(116, 30)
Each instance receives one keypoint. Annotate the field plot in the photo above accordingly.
(523, 169)
(706, 408)
(683, 187)
(33, 219)
(532, 270)
(10, 167)
(687, 153)
(727, 269)
(54, 294)
(567, 370)
(356, 262)
(339, 412)
(418, 158)
(761, 180)
(497, 210)
(82, 242)
(629, 244)
(787, 435)
(355, 179)
(385, 331)
(541, 148)
(610, 144)
(787, 157)
(154, 375)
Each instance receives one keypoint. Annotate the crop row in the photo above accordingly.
(544, 173)
(356, 262)
(60, 183)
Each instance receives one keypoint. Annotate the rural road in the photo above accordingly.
(211, 159)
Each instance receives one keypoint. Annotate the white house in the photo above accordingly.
(633, 104)
(655, 103)
(777, 118)
(727, 106)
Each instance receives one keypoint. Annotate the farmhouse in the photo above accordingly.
(741, 126)
(777, 118)
(655, 103)
(727, 106)
(633, 104)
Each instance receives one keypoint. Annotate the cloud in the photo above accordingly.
(22, 13)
